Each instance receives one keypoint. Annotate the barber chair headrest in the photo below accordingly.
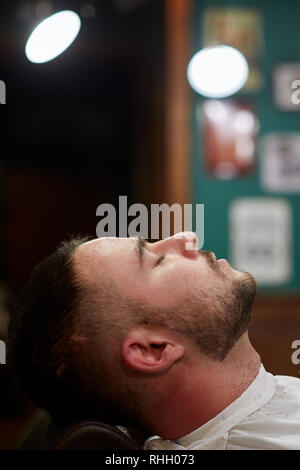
(41, 433)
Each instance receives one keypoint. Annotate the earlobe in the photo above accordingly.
(150, 353)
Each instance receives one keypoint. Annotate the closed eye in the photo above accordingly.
(160, 259)
(141, 243)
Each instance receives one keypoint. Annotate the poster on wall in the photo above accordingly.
(280, 162)
(241, 28)
(286, 83)
(261, 239)
(229, 137)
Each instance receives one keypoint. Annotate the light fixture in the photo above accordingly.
(218, 72)
(52, 36)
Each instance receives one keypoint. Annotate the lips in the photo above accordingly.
(222, 262)
(213, 261)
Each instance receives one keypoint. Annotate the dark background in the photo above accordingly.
(78, 131)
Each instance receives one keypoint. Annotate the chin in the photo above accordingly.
(249, 285)
(246, 275)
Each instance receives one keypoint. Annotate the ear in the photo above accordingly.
(151, 351)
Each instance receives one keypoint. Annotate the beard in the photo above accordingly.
(214, 322)
(228, 318)
(244, 288)
(239, 302)
(221, 324)
(245, 291)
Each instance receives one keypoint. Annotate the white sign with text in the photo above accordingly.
(280, 162)
(261, 239)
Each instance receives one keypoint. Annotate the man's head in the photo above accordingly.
(101, 320)
(169, 284)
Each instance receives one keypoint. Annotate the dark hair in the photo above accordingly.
(43, 319)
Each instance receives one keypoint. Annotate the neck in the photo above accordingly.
(197, 390)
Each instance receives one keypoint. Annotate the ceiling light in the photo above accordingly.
(52, 36)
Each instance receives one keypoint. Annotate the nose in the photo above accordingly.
(185, 243)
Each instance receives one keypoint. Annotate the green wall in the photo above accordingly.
(282, 43)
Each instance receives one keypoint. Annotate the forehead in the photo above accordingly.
(95, 256)
(104, 246)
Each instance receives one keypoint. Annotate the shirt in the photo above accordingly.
(265, 417)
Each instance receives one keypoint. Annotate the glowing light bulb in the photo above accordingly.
(52, 36)
(218, 72)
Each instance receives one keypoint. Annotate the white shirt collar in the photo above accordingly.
(255, 396)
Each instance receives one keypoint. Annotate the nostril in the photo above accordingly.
(189, 239)
(190, 246)
(191, 243)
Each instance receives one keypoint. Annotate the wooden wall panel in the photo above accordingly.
(177, 101)
(275, 325)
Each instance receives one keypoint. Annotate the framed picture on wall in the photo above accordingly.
(280, 162)
(229, 138)
(239, 27)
